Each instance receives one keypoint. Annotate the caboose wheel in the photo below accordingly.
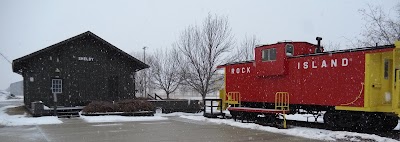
(360, 121)
(339, 120)
(329, 119)
(386, 122)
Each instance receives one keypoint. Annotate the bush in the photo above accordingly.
(99, 106)
(135, 105)
(127, 106)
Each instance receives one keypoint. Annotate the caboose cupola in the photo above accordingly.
(271, 60)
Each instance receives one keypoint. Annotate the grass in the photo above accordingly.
(20, 110)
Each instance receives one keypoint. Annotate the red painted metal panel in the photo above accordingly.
(302, 48)
(328, 80)
(268, 68)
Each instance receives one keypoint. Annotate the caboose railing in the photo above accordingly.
(282, 100)
(282, 103)
(230, 98)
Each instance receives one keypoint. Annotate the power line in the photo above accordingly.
(5, 58)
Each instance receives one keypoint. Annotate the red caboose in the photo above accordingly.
(349, 84)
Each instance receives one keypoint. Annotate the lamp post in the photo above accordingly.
(144, 75)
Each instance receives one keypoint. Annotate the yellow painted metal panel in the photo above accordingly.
(373, 79)
(367, 109)
(397, 44)
(222, 97)
(380, 92)
(222, 93)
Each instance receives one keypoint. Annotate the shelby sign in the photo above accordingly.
(88, 59)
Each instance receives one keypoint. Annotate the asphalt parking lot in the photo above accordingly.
(173, 129)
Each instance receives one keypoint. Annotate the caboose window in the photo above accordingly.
(289, 50)
(386, 69)
(264, 54)
(269, 54)
(272, 54)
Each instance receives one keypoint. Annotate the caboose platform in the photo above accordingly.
(260, 115)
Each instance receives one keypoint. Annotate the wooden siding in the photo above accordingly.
(108, 77)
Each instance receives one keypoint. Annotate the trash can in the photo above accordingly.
(37, 108)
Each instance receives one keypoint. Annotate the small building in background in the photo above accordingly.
(16, 88)
(79, 70)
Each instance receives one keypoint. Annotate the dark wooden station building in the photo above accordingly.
(78, 70)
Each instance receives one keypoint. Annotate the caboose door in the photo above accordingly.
(396, 83)
(388, 79)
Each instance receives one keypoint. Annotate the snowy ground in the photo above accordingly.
(5, 96)
(298, 131)
(98, 119)
(18, 120)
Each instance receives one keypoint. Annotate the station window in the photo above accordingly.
(269, 54)
(289, 50)
(56, 86)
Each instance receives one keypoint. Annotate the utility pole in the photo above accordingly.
(144, 71)
(5, 58)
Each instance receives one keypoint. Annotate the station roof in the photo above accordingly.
(17, 62)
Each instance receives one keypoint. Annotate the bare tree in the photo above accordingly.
(381, 28)
(140, 76)
(203, 49)
(245, 51)
(165, 71)
(330, 46)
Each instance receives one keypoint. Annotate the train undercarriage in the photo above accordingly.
(376, 121)
(334, 119)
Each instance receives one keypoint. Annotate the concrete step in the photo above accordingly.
(69, 114)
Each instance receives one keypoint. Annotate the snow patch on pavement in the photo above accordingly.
(178, 114)
(115, 118)
(113, 124)
(19, 120)
(5, 96)
(298, 131)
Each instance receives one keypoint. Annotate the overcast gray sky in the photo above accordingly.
(27, 26)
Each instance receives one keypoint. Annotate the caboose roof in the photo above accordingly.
(285, 42)
(315, 54)
(17, 63)
(235, 63)
(347, 50)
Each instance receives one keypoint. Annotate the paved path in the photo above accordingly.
(173, 129)
(7, 103)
